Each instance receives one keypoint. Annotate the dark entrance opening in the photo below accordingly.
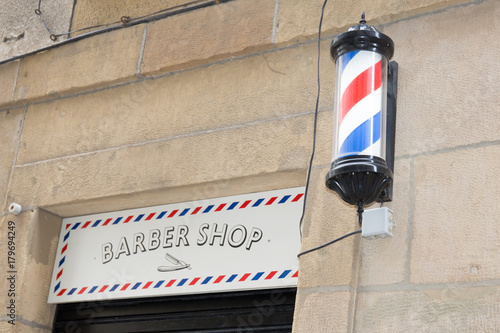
(246, 311)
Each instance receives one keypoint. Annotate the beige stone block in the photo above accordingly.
(274, 85)
(4, 283)
(456, 233)
(214, 32)
(192, 192)
(43, 238)
(267, 148)
(324, 139)
(95, 12)
(8, 74)
(448, 88)
(444, 310)
(299, 20)
(321, 312)
(19, 225)
(10, 132)
(327, 217)
(89, 63)
(32, 305)
(36, 235)
(6, 327)
(384, 261)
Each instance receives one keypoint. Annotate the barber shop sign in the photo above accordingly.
(224, 244)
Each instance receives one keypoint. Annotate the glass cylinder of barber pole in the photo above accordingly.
(359, 171)
(360, 104)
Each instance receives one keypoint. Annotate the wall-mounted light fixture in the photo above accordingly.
(365, 116)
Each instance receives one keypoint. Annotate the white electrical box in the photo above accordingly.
(377, 223)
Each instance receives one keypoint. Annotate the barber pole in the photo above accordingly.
(360, 172)
(360, 104)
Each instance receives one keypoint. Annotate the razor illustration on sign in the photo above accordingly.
(179, 264)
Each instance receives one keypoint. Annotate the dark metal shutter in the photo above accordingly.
(249, 311)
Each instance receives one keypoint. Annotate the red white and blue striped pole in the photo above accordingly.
(360, 104)
(359, 172)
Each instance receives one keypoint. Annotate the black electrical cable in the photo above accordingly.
(314, 149)
(108, 28)
(315, 123)
(126, 20)
(329, 243)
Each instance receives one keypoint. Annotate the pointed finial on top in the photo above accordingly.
(362, 21)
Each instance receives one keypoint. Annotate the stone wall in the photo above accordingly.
(23, 31)
(220, 101)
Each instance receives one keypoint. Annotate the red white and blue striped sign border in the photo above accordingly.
(172, 283)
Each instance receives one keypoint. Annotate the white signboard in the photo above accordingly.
(233, 243)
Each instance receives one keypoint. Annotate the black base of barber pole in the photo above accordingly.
(359, 180)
